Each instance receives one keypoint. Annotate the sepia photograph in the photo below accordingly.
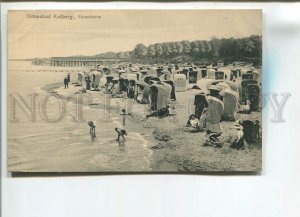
(134, 91)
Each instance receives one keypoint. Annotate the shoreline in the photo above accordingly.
(143, 131)
(172, 147)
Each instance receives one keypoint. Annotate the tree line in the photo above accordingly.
(247, 49)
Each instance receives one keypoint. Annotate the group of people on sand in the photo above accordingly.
(213, 131)
(210, 119)
(67, 80)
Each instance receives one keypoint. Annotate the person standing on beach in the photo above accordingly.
(66, 83)
(92, 130)
(69, 77)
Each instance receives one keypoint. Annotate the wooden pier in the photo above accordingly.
(80, 61)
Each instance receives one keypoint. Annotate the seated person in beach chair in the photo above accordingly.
(142, 93)
(238, 143)
(244, 107)
(130, 90)
(121, 133)
(109, 87)
(139, 97)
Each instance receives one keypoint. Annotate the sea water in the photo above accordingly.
(65, 145)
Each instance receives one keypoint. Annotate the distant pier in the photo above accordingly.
(73, 61)
(80, 61)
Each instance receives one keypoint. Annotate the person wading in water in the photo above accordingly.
(120, 133)
(92, 130)
(124, 116)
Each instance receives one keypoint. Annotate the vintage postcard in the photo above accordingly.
(134, 90)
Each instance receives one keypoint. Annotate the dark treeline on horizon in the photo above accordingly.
(248, 49)
(227, 50)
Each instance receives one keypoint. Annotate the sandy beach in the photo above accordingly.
(153, 144)
(174, 147)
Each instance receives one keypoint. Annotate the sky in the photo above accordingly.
(120, 30)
